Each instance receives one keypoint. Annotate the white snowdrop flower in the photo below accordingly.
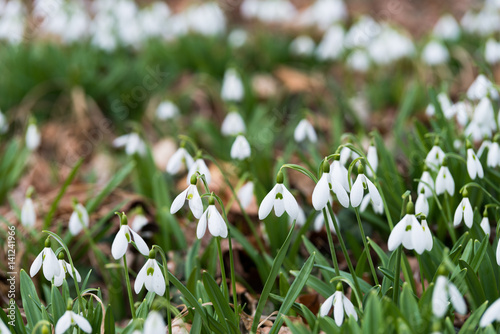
(192, 196)
(321, 193)
(367, 200)
(435, 53)
(447, 28)
(493, 158)
(150, 276)
(426, 183)
(132, 142)
(463, 112)
(237, 38)
(154, 323)
(28, 213)
(241, 148)
(485, 223)
(166, 110)
(69, 319)
(233, 124)
(180, 157)
(303, 131)
(302, 46)
(409, 233)
(427, 241)
(323, 13)
(331, 46)
(301, 218)
(359, 186)
(485, 144)
(359, 61)
(430, 110)
(125, 236)
(346, 153)
(421, 204)
(139, 221)
(48, 260)
(4, 329)
(211, 217)
(389, 46)
(435, 157)
(444, 181)
(65, 269)
(492, 51)
(281, 199)
(464, 211)
(372, 158)
(319, 222)
(474, 167)
(33, 137)
(245, 194)
(4, 126)
(444, 292)
(481, 87)
(341, 304)
(78, 219)
(483, 118)
(232, 86)
(491, 314)
(201, 167)
(446, 105)
(340, 174)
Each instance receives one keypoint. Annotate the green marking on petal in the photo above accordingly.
(408, 228)
(127, 236)
(150, 271)
(279, 196)
(190, 196)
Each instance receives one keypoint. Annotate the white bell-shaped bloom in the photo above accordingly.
(444, 292)
(319, 222)
(139, 222)
(492, 51)
(201, 167)
(150, 276)
(326, 183)
(48, 260)
(421, 204)
(4, 126)
(241, 148)
(302, 46)
(346, 153)
(485, 225)
(340, 174)
(125, 236)
(435, 53)
(216, 224)
(232, 86)
(492, 314)
(194, 200)
(464, 212)
(132, 142)
(65, 269)
(409, 233)
(367, 200)
(427, 242)
(358, 189)
(445, 182)
(78, 219)
(332, 44)
(481, 87)
(303, 131)
(435, 157)
(154, 323)
(180, 157)
(447, 28)
(341, 304)
(69, 319)
(33, 137)
(281, 199)
(28, 214)
(166, 110)
(426, 183)
(474, 167)
(372, 157)
(233, 124)
(359, 61)
(493, 158)
(245, 194)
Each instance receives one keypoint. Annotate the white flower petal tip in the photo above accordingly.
(445, 292)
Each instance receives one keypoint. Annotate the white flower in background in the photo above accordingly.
(447, 28)
(150, 276)
(498, 253)
(435, 157)
(485, 223)
(319, 222)
(389, 46)
(444, 292)
(483, 23)
(493, 158)
(302, 46)
(69, 319)
(154, 323)
(435, 53)
(125, 236)
(367, 200)
(3, 328)
(166, 110)
(233, 124)
(192, 196)
(321, 193)
(65, 268)
(323, 13)
(421, 204)
(78, 219)
(491, 314)
(28, 214)
(4, 126)
(492, 51)
(281, 199)
(33, 137)
(48, 260)
(201, 167)
(303, 131)
(427, 241)
(269, 11)
(346, 153)
(426, 183)
(430, 110)
(237, 38)
(463, 112)
(301, 218)
(474, 167)
(358, 189)
(481, 87)
(483, 122)
(464, 211)
(372, 157)
(232, 86)
(132, 142)
(410, 233)
(241, 148)
(362, 33)
(211, 217)
(245, 194)
(139, 221)
(444, 181)
(358, 60)
(341, 304)
(180, 157)
(331, 46)
(340, 174)
(446, 105)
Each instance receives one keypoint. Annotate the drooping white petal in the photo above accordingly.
(291, 206)
(459, 212)
(200, 167)
(396, 236)
(340, 174)
(121, 141)
(435, 157)
(440, 297)
(70, 271)
(119, 245)
(216, 224)
(140, 243)
(304, 130)
(33, 137)
(177, 159)
(139, 222)
(78, 219)
(28, 214)
(457, 300)
(58, 279)
(374, 194)
(232, 86)
(372, 158)
(357, 191)
(267, 203)
(154, 323)
(202, 225)
(166, 110)
(468, 213)
(426, 183)
(158, 280)
(491, 314)
(419, 237)
(178, 201)
(411, 222)
(471, 164)
(364, 203)
(421, 204)
(245, 194)
(498, 253)
(82, 323)
(338, 309)
(37, 264)
(326, 306)
(50, 265)
(341, 194)
(349, 308)
(321, 192)
(194, 200)
(141, 277)
(241, 148)
(63, 323)
(428, 236)
(485, 225)
(493, 157)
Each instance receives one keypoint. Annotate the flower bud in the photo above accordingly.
(279, 177)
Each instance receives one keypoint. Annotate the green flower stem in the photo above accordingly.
(233, 276)
(129, 288)
(421, 269)
(222, 270)
(450, 221)
(160, 251)
(330, 243)
(395, 292)
(367, 250)
(344, 249)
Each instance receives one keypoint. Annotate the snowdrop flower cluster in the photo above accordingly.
(281, 199)
(447, 28)
(166, 110)
(150, 276)
(323, 13)
(125, 236)
(341, 305)
(480, 88)
(303, 131)
(328, 182)
(78, 219)
(268, 11)
(46, 260)
(132, 143)
(483, 23)
(28, 213)
(444, 292)
(483, 123)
